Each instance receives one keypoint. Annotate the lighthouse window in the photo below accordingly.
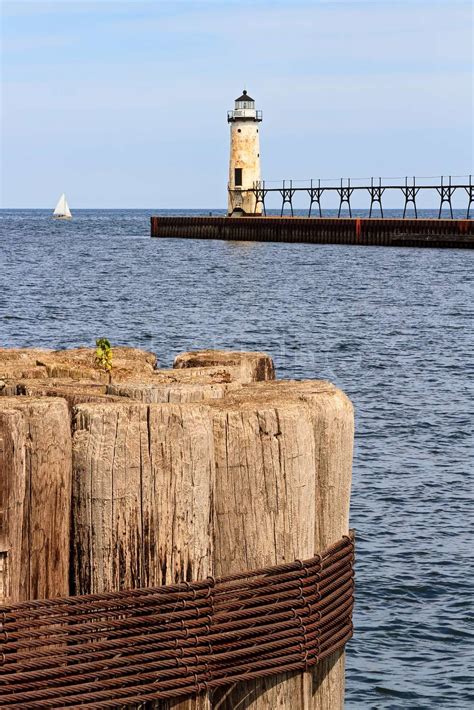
(238, 177)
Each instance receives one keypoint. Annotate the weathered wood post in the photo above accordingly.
(283, 474)
(249, 476)
(173, 393)
(35, 491)
(253, 366)
(142, 500)
(283, 463)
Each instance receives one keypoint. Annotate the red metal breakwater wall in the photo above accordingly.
(446, 233)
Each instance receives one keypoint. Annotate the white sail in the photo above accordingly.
(62, 208)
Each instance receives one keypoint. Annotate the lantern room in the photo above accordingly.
(244, 109)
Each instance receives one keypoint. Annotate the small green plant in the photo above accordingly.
(103, 355)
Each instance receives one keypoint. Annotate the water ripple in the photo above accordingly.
(392, 327)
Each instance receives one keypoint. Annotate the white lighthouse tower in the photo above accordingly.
(244, 164)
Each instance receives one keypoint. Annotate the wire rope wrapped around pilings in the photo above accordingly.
(104, 650)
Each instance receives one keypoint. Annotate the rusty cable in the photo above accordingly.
(129, 647)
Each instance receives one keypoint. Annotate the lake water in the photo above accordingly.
(392, 327)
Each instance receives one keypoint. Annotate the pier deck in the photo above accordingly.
(438, 233)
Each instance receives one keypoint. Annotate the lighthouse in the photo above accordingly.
(244, 163)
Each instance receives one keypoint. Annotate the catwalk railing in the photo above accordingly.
(409, 187)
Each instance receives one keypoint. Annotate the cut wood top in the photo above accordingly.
(76, 363)
(255, 366)
(233, 380)
(73, 375)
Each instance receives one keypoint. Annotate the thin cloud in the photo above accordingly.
(136, 95)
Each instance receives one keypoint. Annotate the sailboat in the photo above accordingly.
(62, 210)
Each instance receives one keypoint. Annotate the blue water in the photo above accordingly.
(392, 327)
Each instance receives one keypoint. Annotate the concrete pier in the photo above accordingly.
(438, 233)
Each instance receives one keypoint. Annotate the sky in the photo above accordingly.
(123, 104)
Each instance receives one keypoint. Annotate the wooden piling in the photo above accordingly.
(248, 476)
(177, 393)
(283, 475)
(35, 464)
(142, 500)
(254, 366)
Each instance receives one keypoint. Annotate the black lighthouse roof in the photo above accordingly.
(245, 97)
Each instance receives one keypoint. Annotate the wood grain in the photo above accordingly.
(283, 473)
(174, 393)
(254, 366)
(142, 499)
(209, 469)
(36, 494)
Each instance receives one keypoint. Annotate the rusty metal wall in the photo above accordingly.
(445, 233)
